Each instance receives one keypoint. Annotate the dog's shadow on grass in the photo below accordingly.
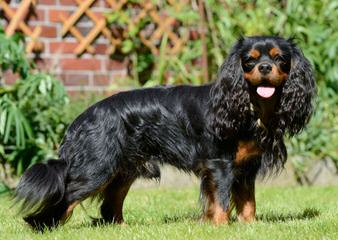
(307, 213)
(270, 217)
(187, 216)
(167, 219)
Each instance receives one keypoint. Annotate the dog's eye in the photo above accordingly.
(250, 62)
(279, 59)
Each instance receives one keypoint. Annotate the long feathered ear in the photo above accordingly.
(229, 95)
(296, 105)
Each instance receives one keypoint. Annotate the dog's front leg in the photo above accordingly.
(244, 199)
(243, 190)
(215, 189)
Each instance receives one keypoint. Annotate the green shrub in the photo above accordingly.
(12, 54)
(320, 139)
(32, 122)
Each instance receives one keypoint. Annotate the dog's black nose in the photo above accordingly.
(265, 68)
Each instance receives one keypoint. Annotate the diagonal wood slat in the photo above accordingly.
(76, 16)
(163, 28)
(90, 37)
(10, 14)
(18, 16)
(16, 22)
(100, 27)
(76, 33)
(36, 33)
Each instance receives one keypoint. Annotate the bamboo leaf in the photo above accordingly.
(3, 118)
(9, 123)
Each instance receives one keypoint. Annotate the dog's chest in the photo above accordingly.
(246, 150)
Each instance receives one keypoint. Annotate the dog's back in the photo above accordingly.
(119, 139)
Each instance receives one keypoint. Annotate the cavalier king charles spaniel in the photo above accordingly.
(226, 132)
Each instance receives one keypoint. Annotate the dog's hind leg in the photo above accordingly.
(68, 212)
(113, 198)
(115, 192)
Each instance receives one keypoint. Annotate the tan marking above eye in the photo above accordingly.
(274, 52)
(254, 53)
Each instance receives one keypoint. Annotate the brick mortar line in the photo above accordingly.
(68, 40)
(57, 7)
(86, 72)
(73, 72)
(73, 56)
(60, 6)
(46, 46)
(87, 88)
(124, 72)
(100, 40)
(45, 24)
(91, 79)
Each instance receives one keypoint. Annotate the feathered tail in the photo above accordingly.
(41, 190)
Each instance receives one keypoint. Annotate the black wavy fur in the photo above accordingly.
(194, 128)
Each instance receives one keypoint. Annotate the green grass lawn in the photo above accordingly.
(283, 213)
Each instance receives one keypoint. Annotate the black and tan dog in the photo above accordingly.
(225, 132)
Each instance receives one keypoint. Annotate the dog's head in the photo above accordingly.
(266, 63)
(267, 75)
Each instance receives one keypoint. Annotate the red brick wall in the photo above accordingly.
(88, 72)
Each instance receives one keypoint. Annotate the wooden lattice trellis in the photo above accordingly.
(149, 9)
(163, 26)
(99, 27)
(16, 21)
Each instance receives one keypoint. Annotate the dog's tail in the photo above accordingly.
(41, 191)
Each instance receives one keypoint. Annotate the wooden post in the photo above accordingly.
(204, 42)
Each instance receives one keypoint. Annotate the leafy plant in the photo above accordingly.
(31, 117)
(320, 139)
(12, 54)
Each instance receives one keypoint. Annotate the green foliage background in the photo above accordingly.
(31, 112)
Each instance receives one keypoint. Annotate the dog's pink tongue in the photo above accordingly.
(265, 92)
